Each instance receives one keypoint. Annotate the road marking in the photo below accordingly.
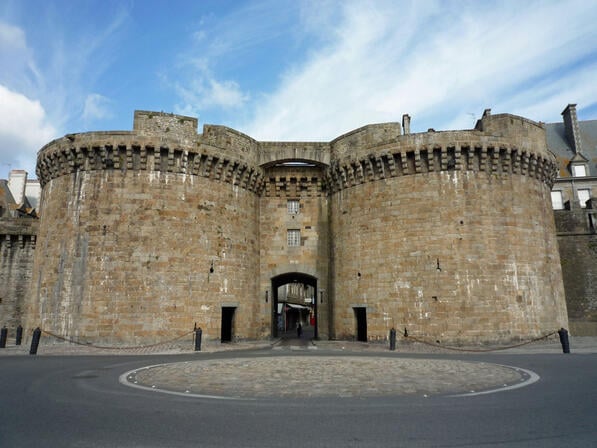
(123, 379)
(532, 378)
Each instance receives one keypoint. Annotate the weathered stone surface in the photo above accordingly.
(17, 246)
(577, 239)
(449, 234)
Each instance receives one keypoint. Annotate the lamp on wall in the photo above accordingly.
(266, 296)
(321, 296)
(211, 267)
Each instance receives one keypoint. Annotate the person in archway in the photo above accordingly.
(299, 330)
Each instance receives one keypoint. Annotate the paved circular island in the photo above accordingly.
(322, 376)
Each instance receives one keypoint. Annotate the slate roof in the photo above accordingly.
(7, 201)
(559, 145)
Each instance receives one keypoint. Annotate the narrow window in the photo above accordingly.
(556, 200)
(293, 207)
(294, 237)
(583, 196)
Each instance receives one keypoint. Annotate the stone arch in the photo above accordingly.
(283, 279)
(272, 154)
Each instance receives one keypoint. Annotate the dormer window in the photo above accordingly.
(579, 165)
(579, 170)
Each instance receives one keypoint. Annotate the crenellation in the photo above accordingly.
(391, 162)
(350, 174)
(434, 159)
(524, 165)
(465, 154)
(207, 167)
(533, 166)
(410, 163)
(218, 168)
(419, 168)
(347, 178)
(234, 173)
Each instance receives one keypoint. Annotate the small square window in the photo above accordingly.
(583, 196)
(556, 200)
(293, 207)
(294, 237)
(579, 170)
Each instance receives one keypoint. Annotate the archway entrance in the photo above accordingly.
(294, 302)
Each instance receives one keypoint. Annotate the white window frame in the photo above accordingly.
(584, 196)
(293, 237)
(557, 201)
(293, 206)
(579, 170)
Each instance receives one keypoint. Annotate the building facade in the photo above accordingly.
(146, 233)
(574, 200)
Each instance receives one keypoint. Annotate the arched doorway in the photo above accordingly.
(287, 312)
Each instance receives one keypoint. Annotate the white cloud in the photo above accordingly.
(24, 129)
(227, 51)
(12, 39)
(97, 107)
(16, 59)
(204, 91)
(436, 62)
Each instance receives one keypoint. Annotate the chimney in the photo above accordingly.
(406, 124)
(17, 180)
(571, 127)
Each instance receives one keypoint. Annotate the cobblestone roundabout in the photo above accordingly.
(320, 376)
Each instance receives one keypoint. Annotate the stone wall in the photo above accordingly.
(577, 238)
(311, 256)
(144, 234)
(171, 127)
(449, 235)
(17, 247)
(139, 257)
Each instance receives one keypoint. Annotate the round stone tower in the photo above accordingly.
(145, 233)
(447, 234)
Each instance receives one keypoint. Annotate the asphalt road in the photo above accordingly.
(77, 401)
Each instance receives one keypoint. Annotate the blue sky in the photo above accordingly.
(287, 70)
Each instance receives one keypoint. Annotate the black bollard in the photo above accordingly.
(564, 340)
(19, 335)
(35, 341)
(198, 334)
(393, 339)
(3, 337)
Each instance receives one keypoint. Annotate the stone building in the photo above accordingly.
(448, 234)
(574, 200)
(18, 230)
